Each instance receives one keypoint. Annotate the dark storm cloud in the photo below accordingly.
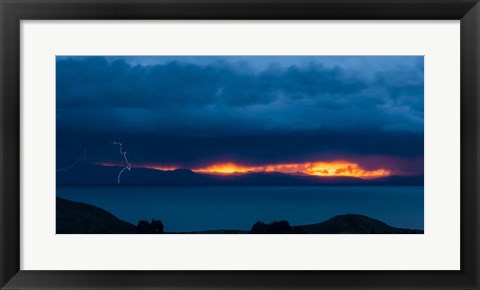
(193, 111)
(196, 151)
(230, 98)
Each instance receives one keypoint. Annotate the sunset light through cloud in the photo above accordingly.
(333, 168)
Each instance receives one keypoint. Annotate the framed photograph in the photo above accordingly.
(236, 144)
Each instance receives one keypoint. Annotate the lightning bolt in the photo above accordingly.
(128, 167)
(68, 167)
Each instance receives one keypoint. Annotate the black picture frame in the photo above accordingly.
(13, 11)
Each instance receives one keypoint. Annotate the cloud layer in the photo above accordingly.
(225, 97)
(188, 111)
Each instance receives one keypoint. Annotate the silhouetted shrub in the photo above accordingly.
(276, 227)
(297, 230)
(259, 228)
(153, 227)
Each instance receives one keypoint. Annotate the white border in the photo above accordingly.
(438, 249)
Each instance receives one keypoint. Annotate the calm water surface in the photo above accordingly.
(206, 208)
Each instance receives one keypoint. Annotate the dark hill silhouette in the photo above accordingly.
(221, 232)
(81, 218)
(354, 224)
(89, 174)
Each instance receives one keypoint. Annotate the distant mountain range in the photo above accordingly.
(81, 218)
(91, 174)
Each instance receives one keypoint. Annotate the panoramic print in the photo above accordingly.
(239, 145)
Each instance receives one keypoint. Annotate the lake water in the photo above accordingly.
(208, 208)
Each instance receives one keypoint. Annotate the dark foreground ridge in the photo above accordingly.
(355, 224)
(81, 218)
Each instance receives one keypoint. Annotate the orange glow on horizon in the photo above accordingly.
(333, 168)
(225, 168)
